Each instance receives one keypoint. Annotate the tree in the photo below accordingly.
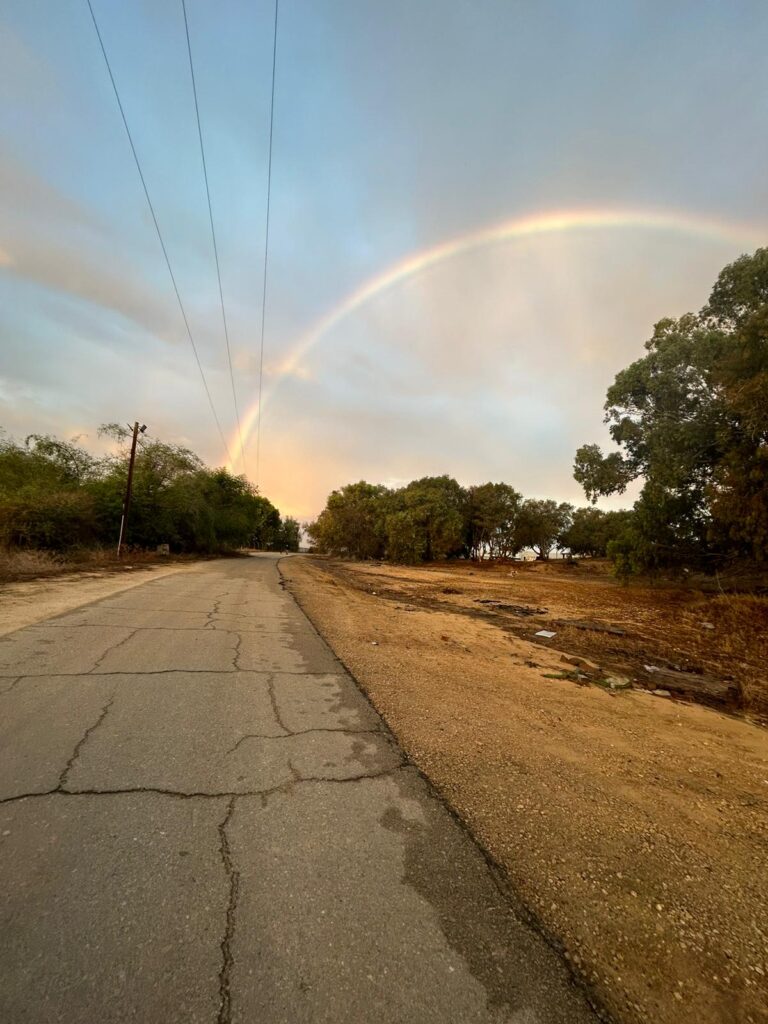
(406, 540)
(592, 530)
(42, 503)
(540, 524)
(290, 534)
(54, 494)
(435, 508)
(691, 419)
(492, 513)
(738, 492)
(352, 524)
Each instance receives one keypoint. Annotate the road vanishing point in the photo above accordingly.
(202, 819)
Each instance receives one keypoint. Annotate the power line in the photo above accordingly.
(213, 234)
(157, 229)
(266, 247)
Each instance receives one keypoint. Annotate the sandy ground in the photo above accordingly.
(22, 604)
(634, 828)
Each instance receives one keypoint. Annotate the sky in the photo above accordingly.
(479, 210)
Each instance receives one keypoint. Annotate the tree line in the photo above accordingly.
(55, 494)
(436, 518)
(690, 419)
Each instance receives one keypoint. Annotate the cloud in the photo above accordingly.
(53, 241)
(493, 367)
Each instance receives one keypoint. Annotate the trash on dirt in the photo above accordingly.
(374, 643)
(661, 693)
(547, 633)
(617, 682)
(575, 677)
(651, 668)
(707, 625)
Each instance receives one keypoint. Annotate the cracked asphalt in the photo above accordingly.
(203, 819)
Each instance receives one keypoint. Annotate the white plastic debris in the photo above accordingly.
(707, 625)
(547, 633)
(374, 643)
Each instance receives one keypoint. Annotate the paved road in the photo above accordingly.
(202, 819)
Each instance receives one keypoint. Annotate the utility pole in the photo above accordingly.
(127, 500)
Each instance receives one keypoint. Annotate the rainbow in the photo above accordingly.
(547, 223)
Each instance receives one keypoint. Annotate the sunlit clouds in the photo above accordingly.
(471, 233)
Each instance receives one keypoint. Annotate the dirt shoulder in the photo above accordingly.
(23, 604)
(634, 828)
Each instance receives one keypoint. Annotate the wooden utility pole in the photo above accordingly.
(128, 485)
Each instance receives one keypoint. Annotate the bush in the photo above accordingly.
(55, 495)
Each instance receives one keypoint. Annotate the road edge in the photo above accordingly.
(498, 874)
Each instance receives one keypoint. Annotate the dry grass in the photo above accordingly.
(18, 565)
(27, 565)
(741, 624)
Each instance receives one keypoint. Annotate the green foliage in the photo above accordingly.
(600, 474)
(289, 535)
(691, 419)
(353, 522)
(492, 520)
(406, 542)
(422, 521)
(591, 531)
(42, 500)
(434, 506)
(541, 523)
(435, 518)
(54, 494)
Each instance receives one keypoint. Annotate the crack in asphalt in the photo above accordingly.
(109, 650)
(236, 655)
(227, 961)
(273, 702)
(81, 742)
(163, 672)
(9, 688)
(212, 612)
(179, 794)
(148, 672)
(300, 732)
(154, 629)
(184, 611)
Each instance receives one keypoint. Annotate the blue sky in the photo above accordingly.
(398, 126)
